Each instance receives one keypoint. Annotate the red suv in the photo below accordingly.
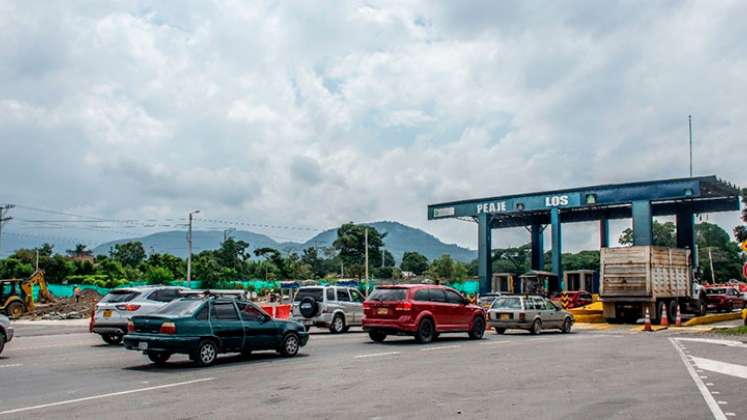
(420, 310)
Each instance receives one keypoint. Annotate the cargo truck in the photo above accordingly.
(637, 278)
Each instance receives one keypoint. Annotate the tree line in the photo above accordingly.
(233, 260)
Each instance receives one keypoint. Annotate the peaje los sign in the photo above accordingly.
(506, 205)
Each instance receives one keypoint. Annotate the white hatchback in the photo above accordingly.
(119, 305)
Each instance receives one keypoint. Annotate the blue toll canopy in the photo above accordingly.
(641, 201)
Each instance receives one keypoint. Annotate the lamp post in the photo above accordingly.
(189, 249)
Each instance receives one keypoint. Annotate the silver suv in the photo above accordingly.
(6, 331)
(336, 308)
(119, 305)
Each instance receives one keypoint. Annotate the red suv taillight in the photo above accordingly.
(168, 327)
(130, 326)
(404, 306)
(129, 307)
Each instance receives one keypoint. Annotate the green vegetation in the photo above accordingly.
(740, 330)
(232, 261)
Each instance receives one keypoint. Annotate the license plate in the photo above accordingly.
(107, 313)
(382, 311)
(143, 345)
(504, 317)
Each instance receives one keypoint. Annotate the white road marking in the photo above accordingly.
(490, 343)
(455, 346)
(729, 343)
(364, 356)
(11, 365)
(710, 401)
(722, 402)
(715, 392)
(109, 395)
(730, 369)
(731, 414)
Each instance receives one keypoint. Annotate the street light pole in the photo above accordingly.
(189, 249)
(366, 242)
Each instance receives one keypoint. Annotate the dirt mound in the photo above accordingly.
(66, 308)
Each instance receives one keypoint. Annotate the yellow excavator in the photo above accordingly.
(17, 295)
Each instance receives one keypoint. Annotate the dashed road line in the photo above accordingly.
(100, 396)
(365, 356)
(11, 365)
(454, 346)
(710, 401)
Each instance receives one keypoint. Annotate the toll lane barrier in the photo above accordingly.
(712, 318)
(278, 311)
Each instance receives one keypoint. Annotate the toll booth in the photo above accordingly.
(538, 282)
(639, 201)
(505, 283)
(581, 280)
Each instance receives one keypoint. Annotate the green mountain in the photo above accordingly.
(399, 239)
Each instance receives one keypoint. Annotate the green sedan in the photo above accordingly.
(204, 327)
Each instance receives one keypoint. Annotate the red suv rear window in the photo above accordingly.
(388, 294)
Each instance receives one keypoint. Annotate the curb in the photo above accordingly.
(713, 318)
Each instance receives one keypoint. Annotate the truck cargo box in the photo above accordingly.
(645, 272)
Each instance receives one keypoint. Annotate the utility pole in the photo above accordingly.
(710, 259)
(189, 249)
(690, 125)
(3, 219)
(366, 242)
(342, 269)
(382, 258)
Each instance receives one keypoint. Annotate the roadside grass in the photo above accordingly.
(741, 330)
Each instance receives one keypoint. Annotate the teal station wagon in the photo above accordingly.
(204, 327)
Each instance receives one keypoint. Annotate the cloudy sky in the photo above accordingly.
(316, 113)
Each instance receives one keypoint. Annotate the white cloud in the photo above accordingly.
(318, 114)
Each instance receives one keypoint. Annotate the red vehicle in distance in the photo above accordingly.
(422, 311)
(723, 298)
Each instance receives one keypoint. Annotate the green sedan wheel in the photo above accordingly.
(291, 344)
(206, 354)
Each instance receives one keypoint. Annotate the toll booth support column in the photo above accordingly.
(686, 234)
(642, 223)
(557, 246)
(484, 260)
(604, 233)
(538, 248)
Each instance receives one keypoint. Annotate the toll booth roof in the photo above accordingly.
(612, 201)
(535, 273)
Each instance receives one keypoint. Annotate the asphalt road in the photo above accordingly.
(585, 375)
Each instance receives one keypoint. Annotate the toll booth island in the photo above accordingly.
(641, 201)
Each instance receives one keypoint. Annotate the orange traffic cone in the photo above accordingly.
(647, 322)
(678, 320)
(664, 320)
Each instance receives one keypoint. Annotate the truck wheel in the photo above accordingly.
(158, 357)
(15, 310)
(424, 335)
(113, 339)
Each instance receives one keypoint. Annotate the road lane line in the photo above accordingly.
(710, 401)
(454, 346)
(12, 365)
(728, 343)
(730, 369)
(364, 356)
(97, 397)
(490, 343)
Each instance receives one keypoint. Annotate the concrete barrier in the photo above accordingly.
(713, 318)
